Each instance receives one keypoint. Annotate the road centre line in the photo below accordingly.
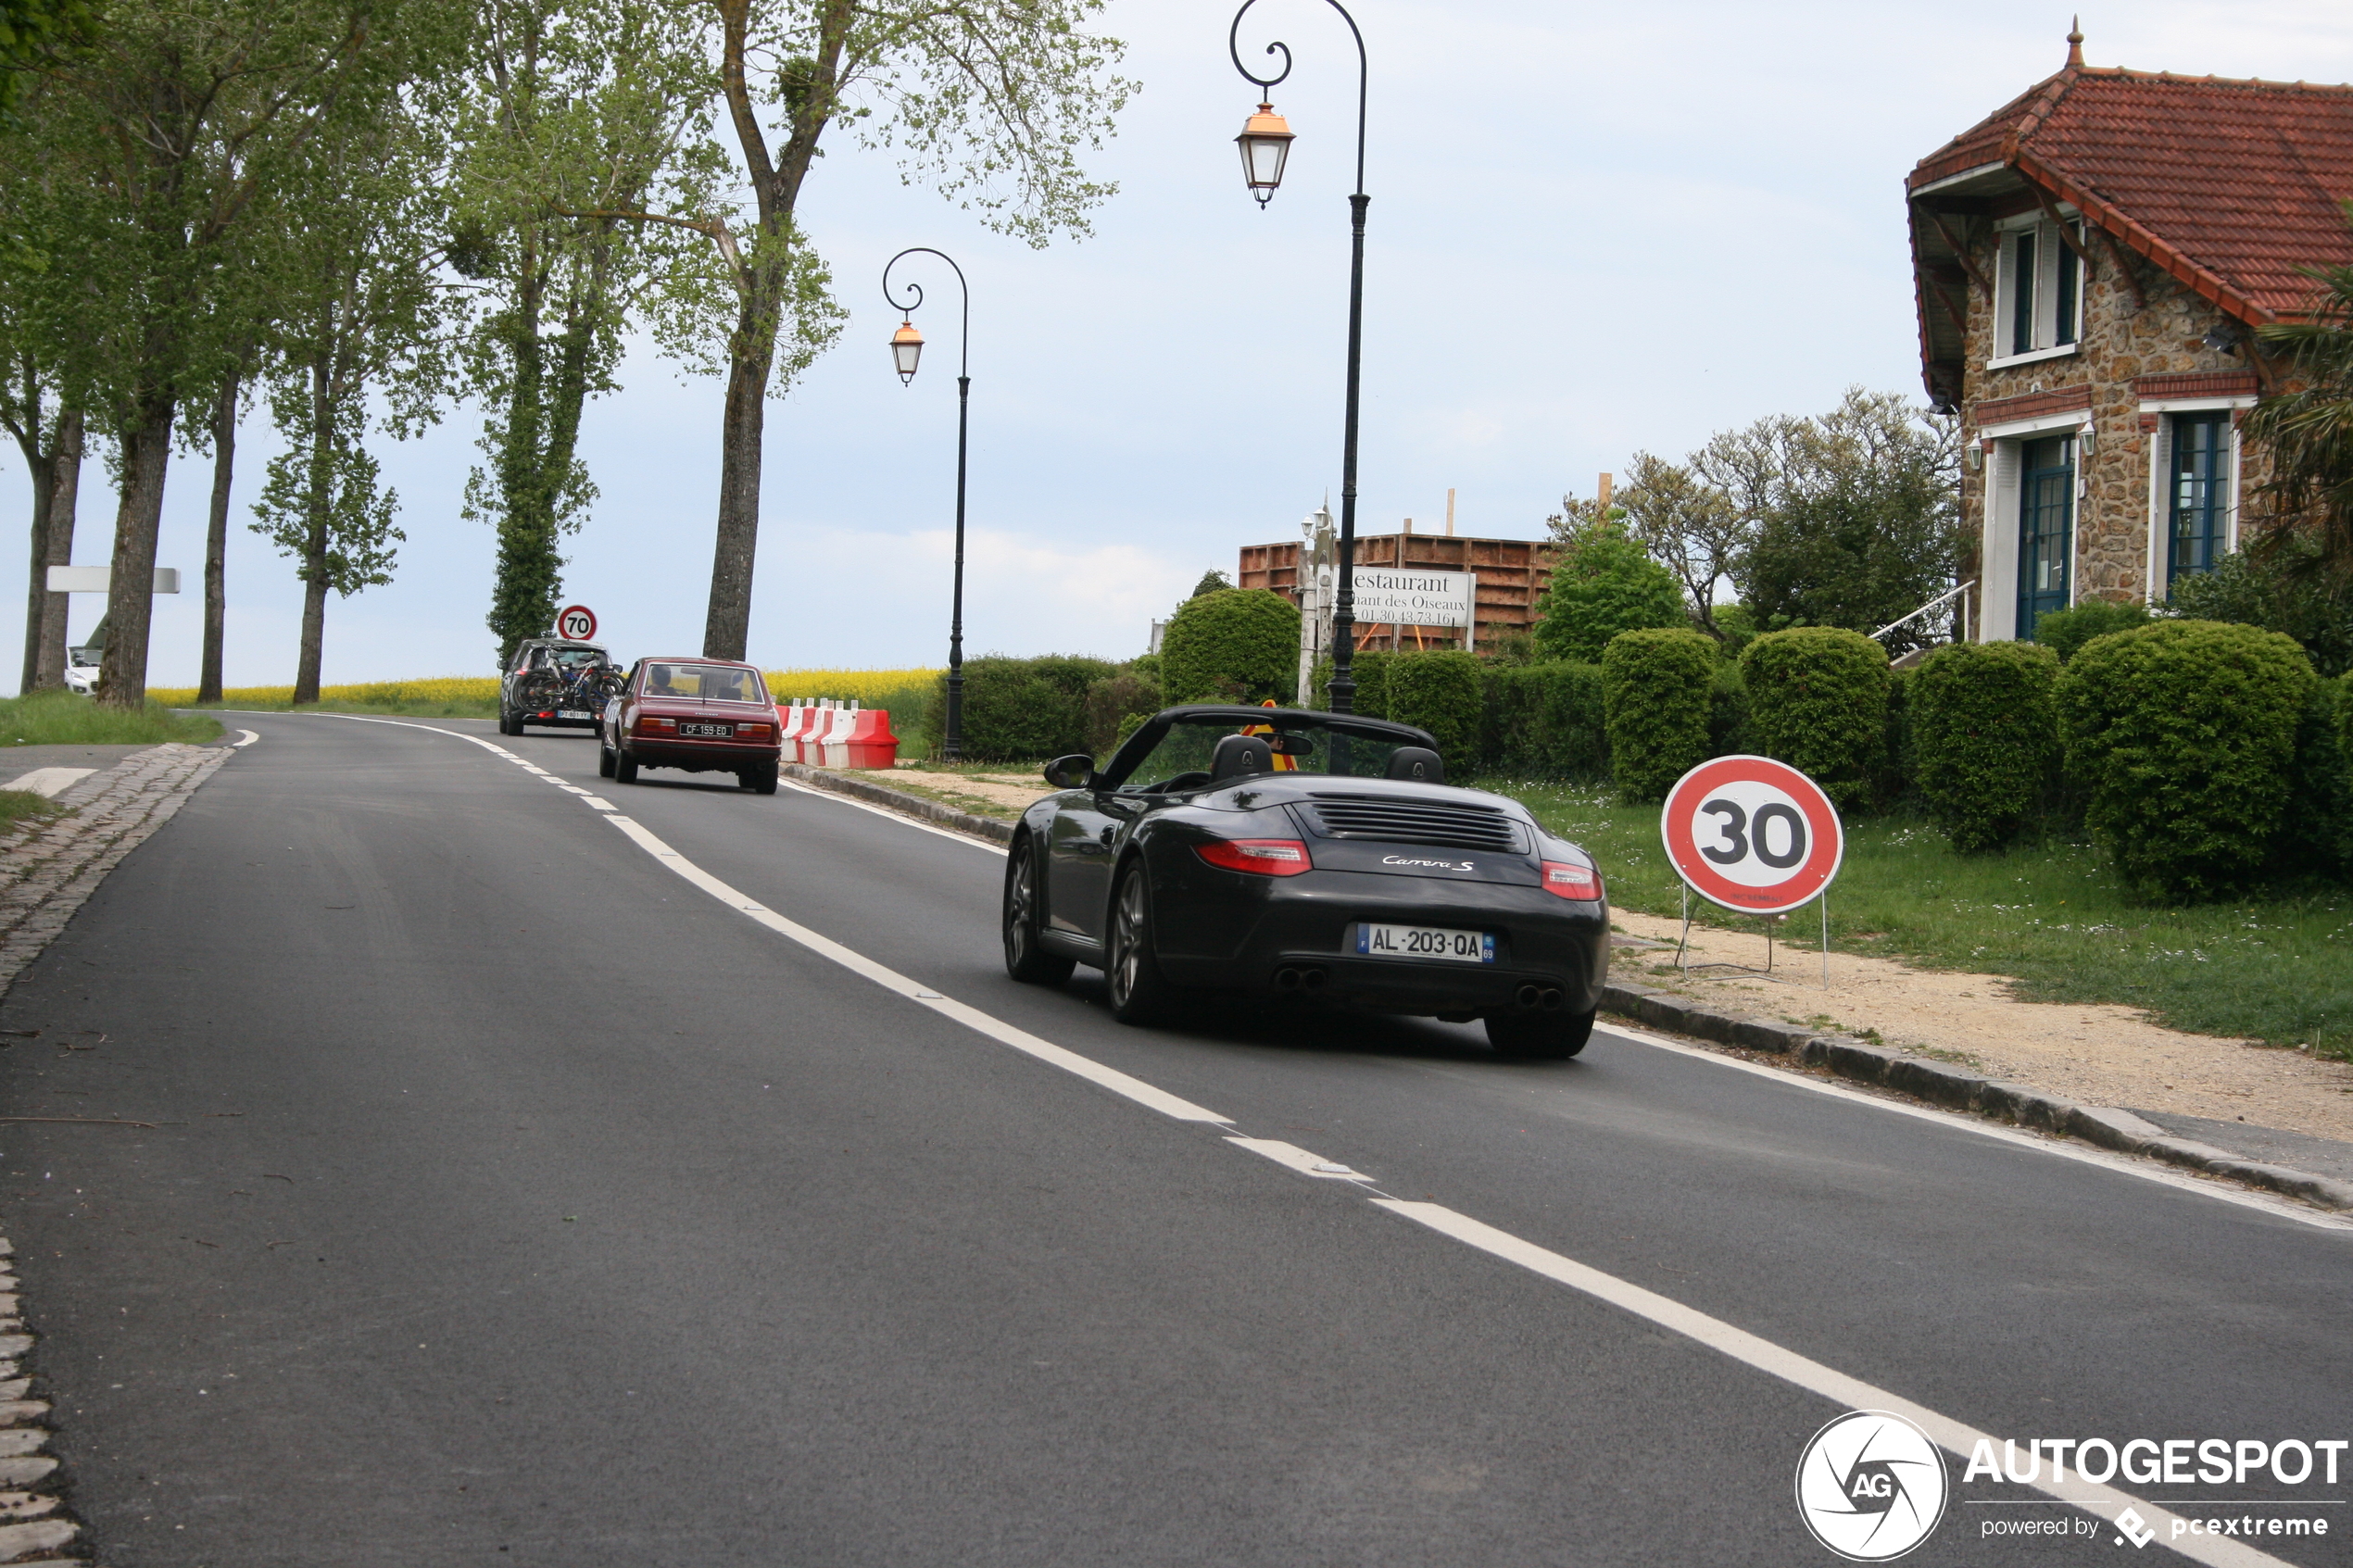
(1736, 1344)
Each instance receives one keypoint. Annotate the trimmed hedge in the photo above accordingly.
(1545, 720)
(1018, 709)
(1371, 667)
(1654, 693)
(2185, 734)
(1115, 705)
(1817, 701)
(1983, 721)
(2064, 631)
(1231, 645)
(1439, 690)
(2317, 834)
(1727, 711)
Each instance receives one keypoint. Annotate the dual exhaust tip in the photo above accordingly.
(1289, 979)
(1545, 998)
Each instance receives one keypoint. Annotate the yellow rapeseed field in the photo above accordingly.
(469, 690)
(871, 688)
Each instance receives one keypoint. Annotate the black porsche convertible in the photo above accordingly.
(1306, 857)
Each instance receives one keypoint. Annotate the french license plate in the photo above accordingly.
(1426, 941)
(572, 713)
(708, 732)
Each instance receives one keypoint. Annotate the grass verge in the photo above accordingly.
(23, 806)
(61, 718)
(2053, 917)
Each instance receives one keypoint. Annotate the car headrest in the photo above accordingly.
(1240, 757)
(1416, 762)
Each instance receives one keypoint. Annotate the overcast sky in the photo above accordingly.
(1594, 230)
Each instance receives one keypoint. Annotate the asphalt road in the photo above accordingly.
(517, 1202)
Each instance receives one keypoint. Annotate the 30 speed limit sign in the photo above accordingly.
(1751, 835)
(577, 622)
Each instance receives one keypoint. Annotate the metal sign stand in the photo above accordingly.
(1683, 942)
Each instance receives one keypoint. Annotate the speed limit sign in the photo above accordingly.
(577, 622)
(1751, 835)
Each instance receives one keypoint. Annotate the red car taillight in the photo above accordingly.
(649, 721)
(1565, 880)
(1260, 857)
(752, 732)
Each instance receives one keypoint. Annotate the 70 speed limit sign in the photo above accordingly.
(1751, 835)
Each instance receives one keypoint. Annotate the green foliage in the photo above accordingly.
(2316, 837)
(1727, 711)
(1736, 624)
(1370, 671)
(1985, 737)
(1442, 691)
(1021, 709)
(1210, 581)
(1546, 721)
(2064, 631)
(2185, 734)
(56, 717)
(1604, 584)
(2309, 433)
(1115, 705)
(1817, 701)
(2281, 587)
(1231, 645)
(1655, 691)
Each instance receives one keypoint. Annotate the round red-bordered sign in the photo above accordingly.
(1751, 835)
(576, 623)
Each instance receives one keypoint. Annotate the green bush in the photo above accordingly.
(1655, 688)
(2183, 734)
(1605, 583)
(1984, 738)
(2064, 631)
(58, 717)
(1817, 701)
(1727, 711)
(1115, 705)
(1231, 645)
(1370, 668)
(1545, 722)
(1019, 710)
(1441, 690)
(2316, 836)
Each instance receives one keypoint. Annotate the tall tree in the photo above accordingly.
(225, 405)
(569, 107)
(179, 125)
(991, 101)
(361, 317)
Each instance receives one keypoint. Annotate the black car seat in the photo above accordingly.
(1240, 757)
(1416, 762)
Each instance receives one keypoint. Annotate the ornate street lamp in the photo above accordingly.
(1266, 144)
(906, 351)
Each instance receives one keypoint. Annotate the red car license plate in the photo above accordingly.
(708, 732)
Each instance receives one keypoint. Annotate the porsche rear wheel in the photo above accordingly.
(1138, 994)
(1539, 1036)
(1026, 957)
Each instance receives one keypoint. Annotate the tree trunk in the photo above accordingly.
(146, 454)
(314, 548)
(215, 539)
(42, 467)
(727, 628)
(65, 497)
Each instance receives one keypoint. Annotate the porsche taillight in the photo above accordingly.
(1565, 880)
(1260, 857)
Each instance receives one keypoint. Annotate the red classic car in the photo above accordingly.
(701, 715)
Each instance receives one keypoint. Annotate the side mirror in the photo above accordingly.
(1074, 771)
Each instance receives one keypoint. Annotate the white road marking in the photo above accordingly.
(250, 735)
(898, 816)
(49, 783)
(1736, 1344)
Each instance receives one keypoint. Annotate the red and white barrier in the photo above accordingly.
(824, 733)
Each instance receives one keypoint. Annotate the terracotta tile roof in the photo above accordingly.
(2231, 185)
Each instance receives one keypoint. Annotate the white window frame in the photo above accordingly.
(2161, 478)
(2049, 248)
(1997, 540)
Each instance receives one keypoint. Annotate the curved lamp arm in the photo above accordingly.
(1268, 83)
(916, 293)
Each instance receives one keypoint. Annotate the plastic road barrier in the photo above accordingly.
(869, 744)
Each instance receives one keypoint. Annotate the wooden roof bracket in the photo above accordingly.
(1960, 322)
(1960, 251)
(2066, 232)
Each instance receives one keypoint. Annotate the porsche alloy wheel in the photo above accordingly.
(1026, 957)
(1139, 995)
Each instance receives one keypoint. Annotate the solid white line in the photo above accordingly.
(250, 738)
(2123, 1164)
(898, 816)
(1790, 1367)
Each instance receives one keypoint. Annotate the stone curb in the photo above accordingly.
(1957, 1088)
(897, 801)
(34, 1526)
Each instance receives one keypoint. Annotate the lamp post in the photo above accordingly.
(1266, 144)
(906, 351)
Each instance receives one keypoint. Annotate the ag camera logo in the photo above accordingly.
(1871, 1486)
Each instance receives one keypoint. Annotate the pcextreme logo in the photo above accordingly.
(1870, 1486)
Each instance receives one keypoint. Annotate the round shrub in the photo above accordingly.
(2183, 734)
(1656, 687)
(1370, 668)
(1603, 584)
(1545, 722)
(1115, 705)
(2064, 631)
(1817, 701)
(1231, 645)
(1985, 737)
(1440, 691)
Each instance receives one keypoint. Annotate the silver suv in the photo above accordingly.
(558, 683)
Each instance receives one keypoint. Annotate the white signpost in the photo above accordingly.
(1753, 835)
(100, 579)
(1409, 597)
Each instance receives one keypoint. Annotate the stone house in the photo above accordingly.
(2089, 263)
